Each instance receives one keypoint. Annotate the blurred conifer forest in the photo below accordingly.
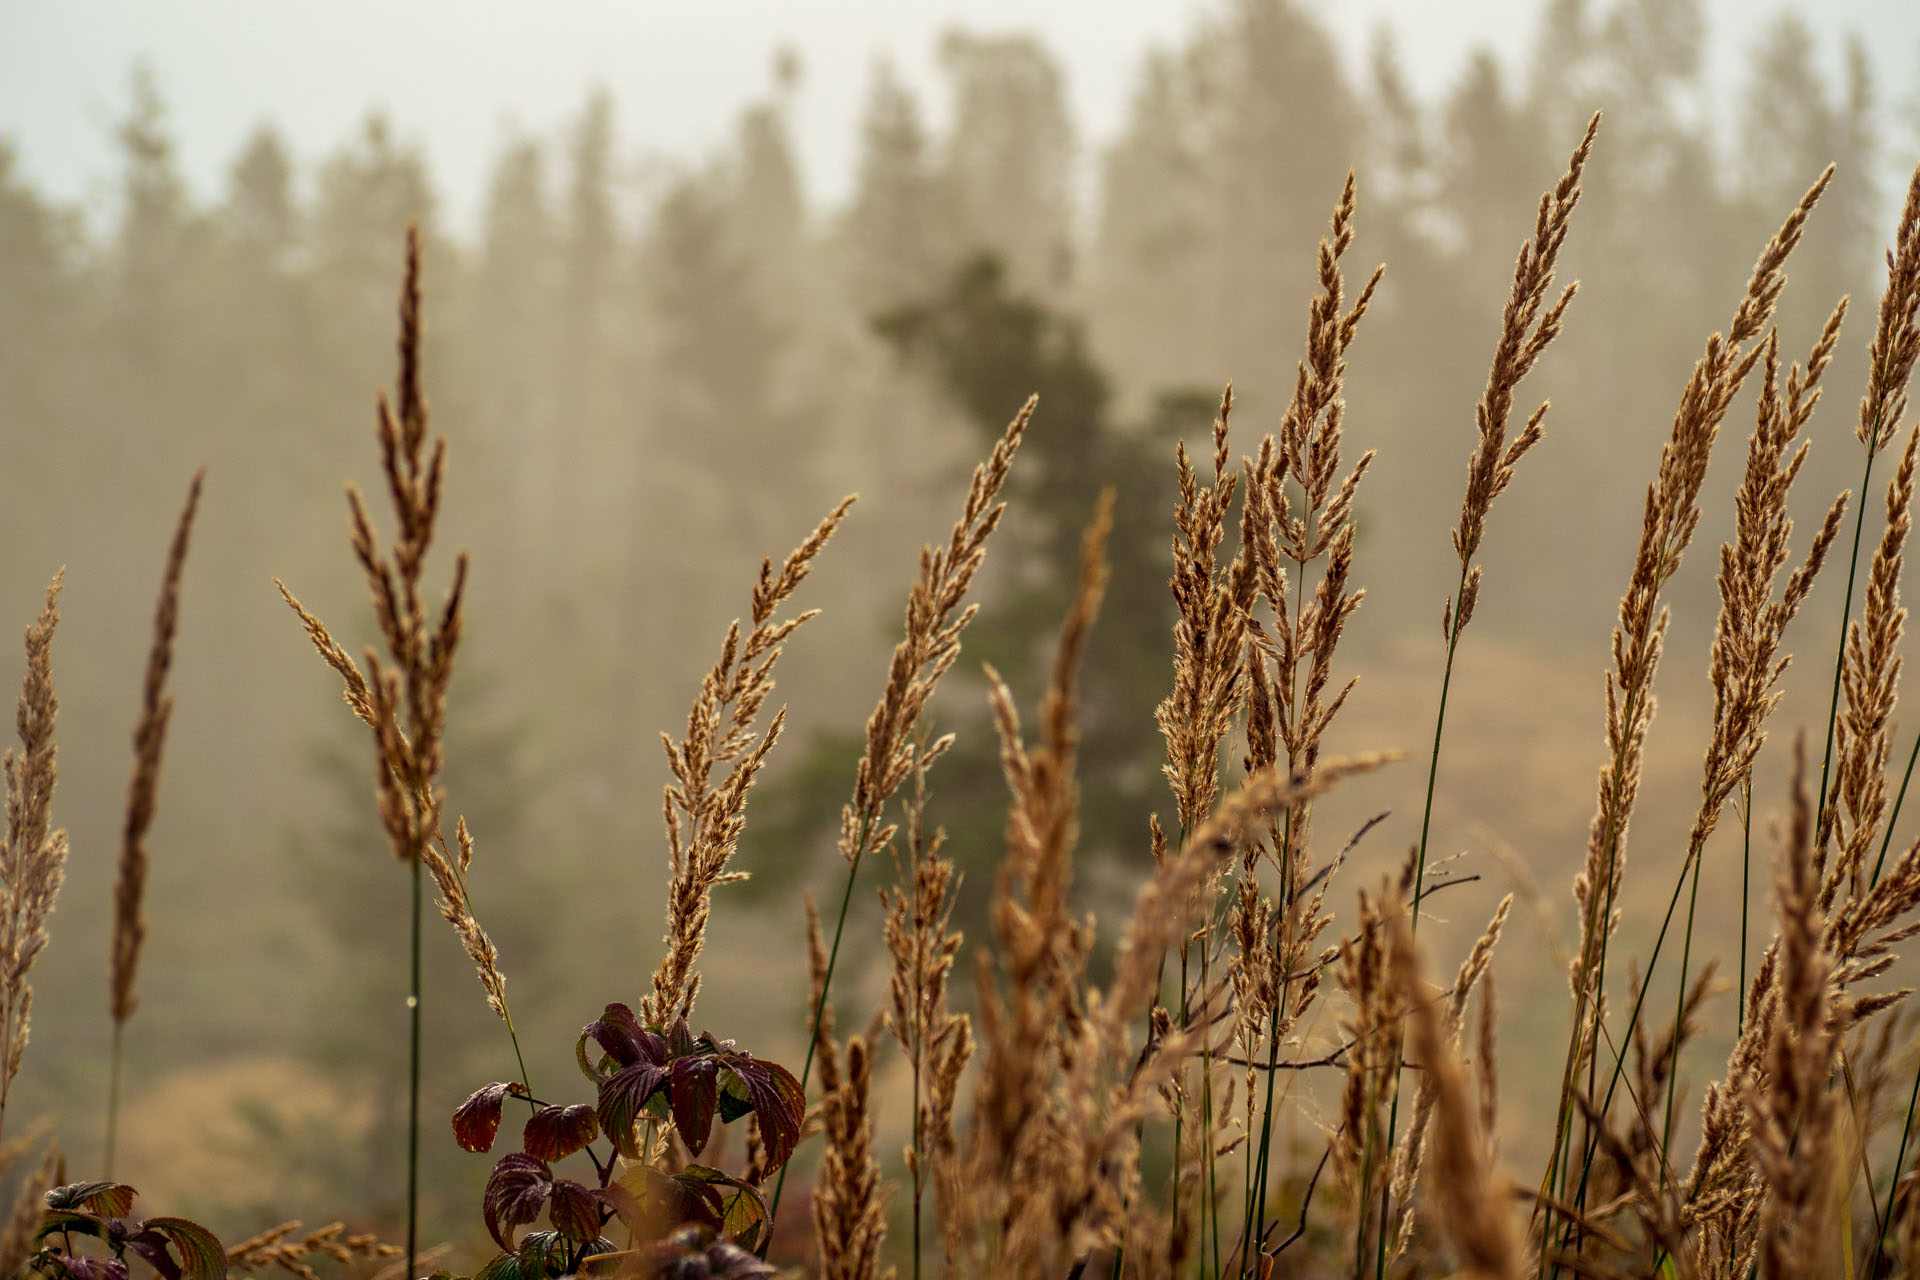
(651, 376)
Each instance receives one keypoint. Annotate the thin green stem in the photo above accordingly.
(1886, 837)
(413, 1080)
(918, 1163)
(1259, 1214)
(113, 1096)
(820, 1005)
(1419, 883)
(1893, 1189)
(1846, 618)
(1679, 1013)
(1746, 873)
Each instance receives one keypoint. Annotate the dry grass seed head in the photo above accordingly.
(149, 741)
(1896, 339)
(849, 1207)
(704, 819)
(1524, 334)
(1472, 1204)
(33, 856)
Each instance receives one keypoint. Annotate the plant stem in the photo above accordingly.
(1886, 837)
(820, 1006)
(413, 1081)
(113, 1097)
(1746, 870)
(1419, 883)
(1899, 1163)
(1679, 1012)
(1846, 617)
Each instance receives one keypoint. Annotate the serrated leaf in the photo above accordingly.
(108, 1199)
(202, 1256)
(554, 1133)
(517, 1189)
(542, 1254)
(618, 1033)
(476, 1122)
(623, 1096)
(88, 1267)
(154, 1247)
(601, 1256)
(574, 1211)
(743, 1213)
(680, 1041)
(501, 1266)
(693, 1091)
(778, 1104)
(625, 1204)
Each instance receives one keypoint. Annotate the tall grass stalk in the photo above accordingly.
(130, 881)
(1528, 326)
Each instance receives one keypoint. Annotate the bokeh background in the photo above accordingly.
(695, 272)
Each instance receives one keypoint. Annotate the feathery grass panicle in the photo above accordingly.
(704, 819)
(1856, 798)
(33, 856)
(149, 741)
(1792, 1113)
(1746, 663)
(1670, 517)
(928, 648)
(923, 946)
(1209, 635)
(19, 1236)
(403, 697)
(1371, 1027)
(1896, 338)
(935, 622)
(1472, 1204)
(1410, 1153)
(1525, 333)
(1890, 359)
(1167, 906)
(280, 1248)
(849, 1210)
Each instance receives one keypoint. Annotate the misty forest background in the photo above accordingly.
(652, 375)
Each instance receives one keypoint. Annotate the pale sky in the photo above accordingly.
(679, 72)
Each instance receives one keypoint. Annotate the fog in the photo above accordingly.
(676, 311)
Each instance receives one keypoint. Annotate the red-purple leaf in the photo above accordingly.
(477, 1120)
(778, 1104)
(574, 1212)
(622, 1097)
(108, 1199)
(152, 1246)
(87, 1267)
(693, 1093)
(554, 1133)
(617, 1032)
(516, 1190)
(202, 1257)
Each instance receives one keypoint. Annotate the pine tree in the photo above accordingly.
(1009, 156)
(895, 242)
